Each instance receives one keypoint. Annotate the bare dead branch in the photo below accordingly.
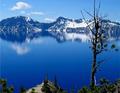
(89, 14)
(91, 37)
(98, 10)
(86, 22)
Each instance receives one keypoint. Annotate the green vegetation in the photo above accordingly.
(48, 87)
(22, 90)
(51, 87)
(104, 87)
(4, 88)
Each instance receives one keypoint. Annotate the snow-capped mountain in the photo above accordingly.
(19, 28)
(112, 28)
(70, 29)
(22, 28)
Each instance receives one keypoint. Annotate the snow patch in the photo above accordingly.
(73, 24)
(28, 19)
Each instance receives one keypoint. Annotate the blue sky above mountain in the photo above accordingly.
(49, 10)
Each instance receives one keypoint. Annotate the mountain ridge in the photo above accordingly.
(22, 27)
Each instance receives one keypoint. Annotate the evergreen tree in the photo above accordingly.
(33, 91)
(45, 87)
(3, 84)
(72, 90)
(56, 82)
(22, 90)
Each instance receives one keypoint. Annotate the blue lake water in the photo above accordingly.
(28, 63)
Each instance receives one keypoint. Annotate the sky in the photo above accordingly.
(49, 10)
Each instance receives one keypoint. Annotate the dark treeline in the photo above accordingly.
(53, 87)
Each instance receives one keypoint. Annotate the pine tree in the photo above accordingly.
(22, 90)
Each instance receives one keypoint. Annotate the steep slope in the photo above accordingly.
(20, 28)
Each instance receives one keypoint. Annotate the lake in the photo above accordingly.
(26, 64)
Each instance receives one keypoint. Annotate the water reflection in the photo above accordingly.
(20, 49)
(21, 45)
(24, 48)
(70, 61)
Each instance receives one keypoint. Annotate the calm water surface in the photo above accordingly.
(28, 63)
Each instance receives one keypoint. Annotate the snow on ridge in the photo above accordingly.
(113, 24)
(28, 19)
(74, 24)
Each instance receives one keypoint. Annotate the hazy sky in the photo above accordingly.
(49, 10)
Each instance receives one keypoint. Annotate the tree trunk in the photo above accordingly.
(94, 64)
(93, 70)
